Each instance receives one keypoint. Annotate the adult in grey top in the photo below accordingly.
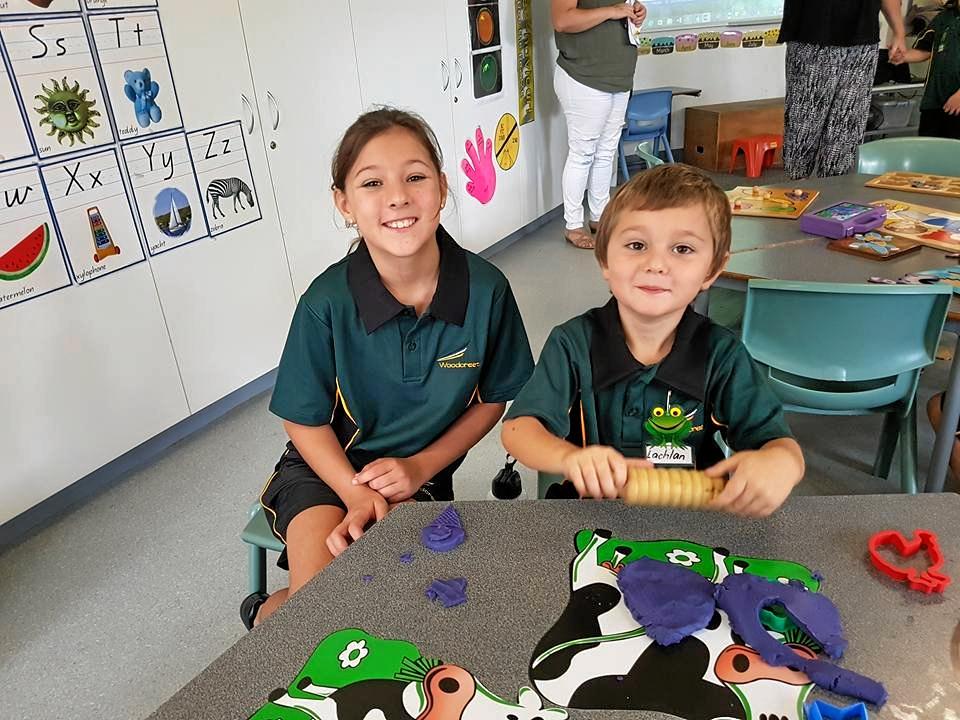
(593, 80)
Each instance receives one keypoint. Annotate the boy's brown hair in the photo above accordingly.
(665, 187)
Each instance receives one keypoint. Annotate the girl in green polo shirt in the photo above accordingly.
(399, 359)
(940, 107)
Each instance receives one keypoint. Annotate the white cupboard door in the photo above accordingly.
(483, 46)
(402, 60)
(308, 93)
(227, 299)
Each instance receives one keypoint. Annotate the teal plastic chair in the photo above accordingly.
(260, 538)
(936, 156)
(844, 349)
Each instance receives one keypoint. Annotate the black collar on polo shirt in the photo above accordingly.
(375, 303)
(685, 368)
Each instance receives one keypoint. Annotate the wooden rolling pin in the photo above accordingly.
(670, 487)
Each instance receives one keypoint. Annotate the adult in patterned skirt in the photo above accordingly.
(832, 49)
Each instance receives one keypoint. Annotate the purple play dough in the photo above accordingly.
(449, 592)
(406, 558)
(671, 602)
(742, 597)
(445, 533)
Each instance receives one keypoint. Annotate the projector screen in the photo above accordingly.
(669, 15)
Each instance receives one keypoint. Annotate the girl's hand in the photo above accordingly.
(364, 507)
(395, 479)
(952, 106)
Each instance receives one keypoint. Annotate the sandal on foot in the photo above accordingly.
(579, 239)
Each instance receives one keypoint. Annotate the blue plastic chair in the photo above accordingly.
(260, 538)
(844, 349)
(936, 156)
(648, 117)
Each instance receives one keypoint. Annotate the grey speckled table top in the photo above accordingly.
(517, 559)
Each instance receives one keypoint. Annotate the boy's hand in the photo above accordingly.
(396, 479)
(952, 106)
(364, 507)
(598, 471)
(760, 481)
(639, 14)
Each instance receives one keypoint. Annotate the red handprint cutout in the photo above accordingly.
(481, 175)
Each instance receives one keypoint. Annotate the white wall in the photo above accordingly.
(724, 75)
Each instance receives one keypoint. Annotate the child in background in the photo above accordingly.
(940, 107)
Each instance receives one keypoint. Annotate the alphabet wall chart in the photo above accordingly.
(97, 170)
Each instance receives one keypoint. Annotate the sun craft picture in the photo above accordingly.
(67, 111)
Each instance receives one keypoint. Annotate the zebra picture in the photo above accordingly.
(225, 188)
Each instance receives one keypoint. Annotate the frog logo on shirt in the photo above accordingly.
(668, 425)
(455, 361)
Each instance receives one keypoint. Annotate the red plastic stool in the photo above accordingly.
(758, 152)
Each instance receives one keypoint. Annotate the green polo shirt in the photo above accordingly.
(942, 39)
(588, 388)
(387, 381)
(602, 57)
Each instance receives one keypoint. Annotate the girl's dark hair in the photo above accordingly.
(366, 127)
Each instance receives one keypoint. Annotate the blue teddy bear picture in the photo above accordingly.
(142, 92)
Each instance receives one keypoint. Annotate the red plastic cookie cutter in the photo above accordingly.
(928, 581)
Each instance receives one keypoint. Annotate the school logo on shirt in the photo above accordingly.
(455, 361)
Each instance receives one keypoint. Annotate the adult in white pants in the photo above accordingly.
(593, 80)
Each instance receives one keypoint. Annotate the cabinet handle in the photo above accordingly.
(249, 108)
(275, 107)
(445, 73)
(456, 64)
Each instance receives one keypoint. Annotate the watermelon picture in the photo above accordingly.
(26, 256)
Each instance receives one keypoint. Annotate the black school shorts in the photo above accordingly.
(294, 487)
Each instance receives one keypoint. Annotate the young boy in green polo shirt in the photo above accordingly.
(644, 379)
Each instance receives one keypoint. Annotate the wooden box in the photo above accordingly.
(709, 130)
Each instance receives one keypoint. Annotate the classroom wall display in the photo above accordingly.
(14, 140)
(31, 259)
(710, 40)
(165, 191)
(481, 174)
(136, 71)
(506, 141)
(35, 7)
(485, 47)
(219, 154)
(54, 71)
(525, 79)
(95, 5)
(94, 215)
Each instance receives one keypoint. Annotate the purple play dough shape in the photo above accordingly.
(406, 558)
(671, 602)
(445, 533)
(449, 592)
(742, 597)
